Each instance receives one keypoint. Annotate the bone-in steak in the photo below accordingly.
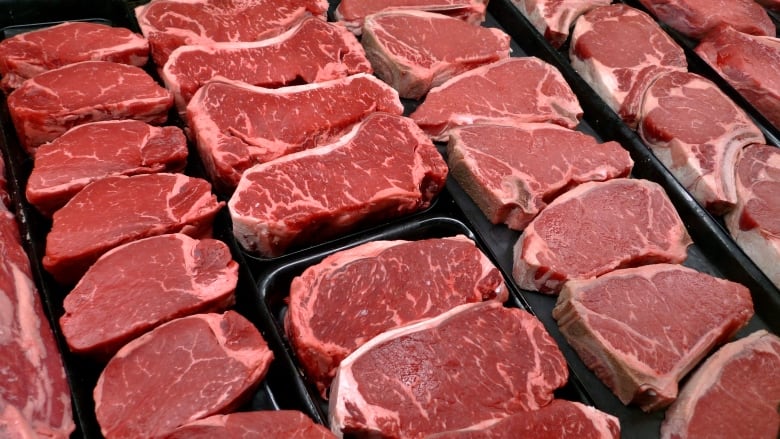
(287, 424)
(694, 18)
(554, 18)
(353, 12)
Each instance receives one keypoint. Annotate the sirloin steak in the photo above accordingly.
(554, 18)
(695, 18)
(353, 12)
(270, 424)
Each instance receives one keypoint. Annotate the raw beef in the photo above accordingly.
(381, 285)
(288, 424)
(46, 106)
(384, 168)
(469, 365)
(511, 173)
(696, 131)
(507, 92)
(168, 24)
(96, 150)
(694, 18)
(353, 12)
(148, 282)
(206, 364)
(236, 125)
(554, 18)
(641, 330)
(598, 227)
(117, 210)
(558, 420)
(735, 393)
(755, 222)
(439, 48)
(772, 5)
(620, 51)
(312, 51)
(31, 53)
(747, 63)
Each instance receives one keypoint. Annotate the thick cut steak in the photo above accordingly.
(416, 50)
(755, 222)
(385, 167)
(598, 227)
(34, 393)
(187, 369)
(696, 131)
(287, 424)
(511, 173)
(620, 51)
(236, 125)
(695, 18)
(31, 53)
(97, 150)
(472, 364)
(379, 286)
(148, 282)
(506, 92)
(641, 330)
(311, 51)
(117, 210)
(554, 18)
(735, 393)
(46, 106)
(353, 12)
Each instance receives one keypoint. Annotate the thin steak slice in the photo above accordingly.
(379, 286)
(311, 51)
(236, 125)
(696, 131)
(117, 210)
(695, 18)
(31, 53)
(46, 106)
(353, 12)
(641, 330)
(287, 424)
(439, 48)
(149, 282)
(735, 393)
(385, 167)
(506, 92)
(187, 369)
(97, 150)
(471, 364)
(755, 221)
(598, 227)
(511, 173)
(620, 51)
(554, 18)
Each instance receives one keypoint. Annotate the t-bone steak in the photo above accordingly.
(236, 125)
(287, 424)
(641, 330)
(472, 364)
(353, 12)
(506, 92)
(620, 51)
(695, 18)
(511, 173)
(187, 369)
(554, 18)
(598, 227)
(383, 168)
(438, 48)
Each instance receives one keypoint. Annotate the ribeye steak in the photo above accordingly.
(695, 18)
(555, 18)
(287, 424)
(353, 12)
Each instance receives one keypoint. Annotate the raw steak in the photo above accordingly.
(383, 168)
(311, 51)
(353, 12)
(694, 18)
(735, 393)
(46, 106)
(507, 92)
(96, 150)
(206, 364)
(117, 210)
(439, 48)
(31, 53)
(755, 222)
(554, 18)
(149, 282)
(641, 330)
(772, 5)
(470, 365)
(598, 227)
(381, 285)
(288, 424)
(236, 125)
(511, 173)
(747, 62)
(620, 51)
(34, 393)
(168, 24)
(558, 420)
(696, 131)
